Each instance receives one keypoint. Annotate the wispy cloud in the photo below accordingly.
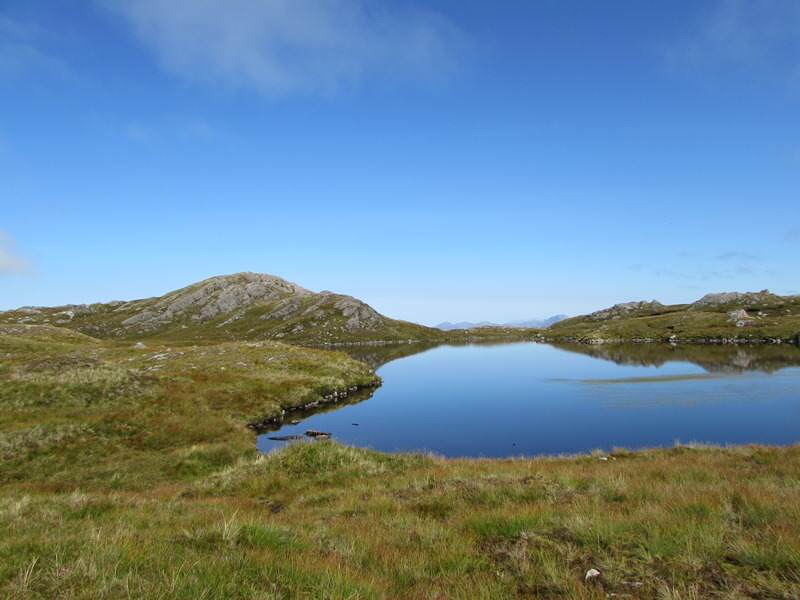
(10, 260)
(137, 132)
(704, 269)
(738, 256)
(704, 274)
(170, 128)
(23, 50)
(760, 36)
(293, 46)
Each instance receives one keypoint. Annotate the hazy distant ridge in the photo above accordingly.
(531, 323)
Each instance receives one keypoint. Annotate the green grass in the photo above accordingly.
(104, 413)
(686, 323)
(129, 473)
(322, 520)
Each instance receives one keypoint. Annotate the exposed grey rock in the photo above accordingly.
(740, 317)
(743, 298)
(359, 315)
(214, 297)
(234, 301)
(283, 309)
(625, 309)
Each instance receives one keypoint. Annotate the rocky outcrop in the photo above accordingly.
(736, 298)
(358, 314)
(625, 309)
(213, 297)
(739, 317)
(234, 307)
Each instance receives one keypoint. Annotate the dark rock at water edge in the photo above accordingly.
(313, 433)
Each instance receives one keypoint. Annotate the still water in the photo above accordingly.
(531, 399)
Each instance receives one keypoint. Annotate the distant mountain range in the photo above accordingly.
(531, 323)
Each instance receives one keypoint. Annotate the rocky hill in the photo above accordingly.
(722, 317)
(243, 306)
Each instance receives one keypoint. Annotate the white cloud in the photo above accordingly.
(293, 46)
(762, 36)
(10, 261)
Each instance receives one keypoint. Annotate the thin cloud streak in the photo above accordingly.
(23, 50)
(757, 37)
(280, 47)
(10, 261)
(741, 256)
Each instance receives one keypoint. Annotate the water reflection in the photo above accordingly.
(529, 398)
(714, 358)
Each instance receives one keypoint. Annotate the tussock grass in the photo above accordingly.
(323, 520)
(128, 473)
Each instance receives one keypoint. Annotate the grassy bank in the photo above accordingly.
(75, 410)
(129, 473)
(773, 320)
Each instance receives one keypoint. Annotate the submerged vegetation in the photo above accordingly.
(128, 472)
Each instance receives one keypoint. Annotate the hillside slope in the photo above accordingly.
(730, 316)
(243, 306)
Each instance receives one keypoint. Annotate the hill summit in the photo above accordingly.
(238, 306)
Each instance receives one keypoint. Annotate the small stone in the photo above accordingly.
(139, 346)
(592, 575)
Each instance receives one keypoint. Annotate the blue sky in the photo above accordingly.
(442, 160)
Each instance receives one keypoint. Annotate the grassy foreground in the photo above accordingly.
(128, 473)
